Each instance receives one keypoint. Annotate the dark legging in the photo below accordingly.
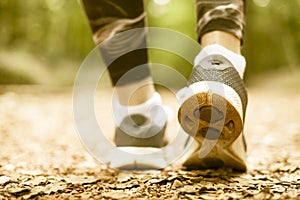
(108, 17)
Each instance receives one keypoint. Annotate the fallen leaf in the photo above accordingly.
(5, 179)
(123, 186)
(19, 191)
(36, 181)
(115, 195)
(80, 180)
(278, 188)
(124, 177)
(188, 189)
(38, 190)
(176, 184)
(55, 187)
(157, 181)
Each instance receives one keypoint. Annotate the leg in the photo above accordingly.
(214, 103)
(138, 114)
(221, 22)
(107, 18)
(227, 40)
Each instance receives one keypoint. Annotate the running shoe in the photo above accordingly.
(141, 133)
(212, 110)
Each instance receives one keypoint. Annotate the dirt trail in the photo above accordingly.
(41, 156)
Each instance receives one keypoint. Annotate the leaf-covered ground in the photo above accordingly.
(41, 156)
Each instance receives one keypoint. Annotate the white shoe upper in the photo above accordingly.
(153, 112)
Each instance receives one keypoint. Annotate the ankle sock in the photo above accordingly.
(152, 110)
(215, 50)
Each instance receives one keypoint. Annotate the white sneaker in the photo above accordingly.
(213, 109)
(140, 133)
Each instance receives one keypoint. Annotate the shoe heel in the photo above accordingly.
(210, 116)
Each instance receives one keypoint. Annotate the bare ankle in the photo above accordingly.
(223, 38)
(135, 93)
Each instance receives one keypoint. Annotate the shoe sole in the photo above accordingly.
(212, 120)
(138, 158)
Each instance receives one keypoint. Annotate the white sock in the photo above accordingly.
(238, 61)
(149, 109)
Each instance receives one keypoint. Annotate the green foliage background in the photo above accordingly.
(45, 41)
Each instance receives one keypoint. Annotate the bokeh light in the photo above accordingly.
(262, 3)
(162, 2)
